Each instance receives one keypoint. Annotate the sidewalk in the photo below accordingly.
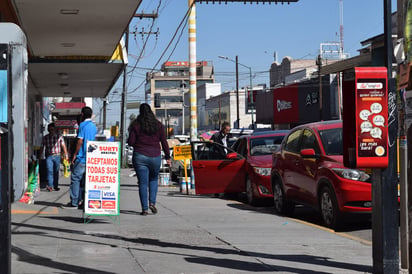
(190, 234)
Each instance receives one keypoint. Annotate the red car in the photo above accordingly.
(308, 169)
(243, 168)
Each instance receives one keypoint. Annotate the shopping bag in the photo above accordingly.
(66, 168)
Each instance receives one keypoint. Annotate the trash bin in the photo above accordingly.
(184, 186)
(164, 179)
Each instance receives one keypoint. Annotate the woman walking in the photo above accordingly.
(146, 133)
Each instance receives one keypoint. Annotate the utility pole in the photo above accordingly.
(192, 72)
(252, 100)
(182, 86)
(237, 93)
(236, 61)
(124, 109)
(167, 126)
(319, 64)
(403, 156)
(385, 228)
(104, 113)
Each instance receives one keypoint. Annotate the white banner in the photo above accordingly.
(102, 186)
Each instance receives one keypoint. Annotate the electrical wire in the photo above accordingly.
(167, 47)
(145, 43)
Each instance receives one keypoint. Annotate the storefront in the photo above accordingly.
(299, 103)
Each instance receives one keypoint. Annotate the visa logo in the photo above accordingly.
(109, 195)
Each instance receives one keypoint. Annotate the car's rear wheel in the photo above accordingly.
(249, 192)
(280, 204)
(329, 208)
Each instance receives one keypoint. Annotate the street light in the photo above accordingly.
(237, 89)
(182, 86)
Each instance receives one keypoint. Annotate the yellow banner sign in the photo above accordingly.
(182, 152)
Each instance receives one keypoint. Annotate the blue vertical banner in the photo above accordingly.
(3, 96)
(3, 119)
(3, 83)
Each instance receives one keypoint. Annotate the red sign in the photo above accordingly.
(366, 112)
(183, 63)
(71, 105)
(66, 124)
(286, 105)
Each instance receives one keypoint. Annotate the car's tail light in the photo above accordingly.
(351, 174)
(263, 171)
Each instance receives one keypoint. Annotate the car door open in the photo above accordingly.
(217, 172)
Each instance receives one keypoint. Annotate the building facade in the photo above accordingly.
(165, 91)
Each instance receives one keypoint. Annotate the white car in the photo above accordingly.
(129, 156)
(164, 167)
(177, 168)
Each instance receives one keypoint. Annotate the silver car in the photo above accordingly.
(129, 156)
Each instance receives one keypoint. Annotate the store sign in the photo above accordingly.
(286, 104)
(283, 105)
(102, 188)
(66, 124)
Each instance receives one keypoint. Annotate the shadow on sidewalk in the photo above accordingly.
(25, 256)
(142, 242)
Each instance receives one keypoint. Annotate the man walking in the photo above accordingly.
(53, 144)
(87, 132)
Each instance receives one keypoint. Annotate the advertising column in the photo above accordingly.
(365, 123)
(102, 178)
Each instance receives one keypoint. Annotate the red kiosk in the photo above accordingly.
(365, 117)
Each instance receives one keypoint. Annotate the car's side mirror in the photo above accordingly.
(231, 155)
(308, 153)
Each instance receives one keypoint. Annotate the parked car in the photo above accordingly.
(164, 166)
(245, 168)
(177, 168)
(184, 139)
(308, 169)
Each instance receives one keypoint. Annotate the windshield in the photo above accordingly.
(332, 141)
(264, 145)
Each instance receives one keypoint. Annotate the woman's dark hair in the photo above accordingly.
(147, 120)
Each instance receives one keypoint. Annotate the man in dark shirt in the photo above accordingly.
(222, 137)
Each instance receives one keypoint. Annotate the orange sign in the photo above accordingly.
(182, 152)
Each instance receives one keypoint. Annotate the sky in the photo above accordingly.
(253, 32)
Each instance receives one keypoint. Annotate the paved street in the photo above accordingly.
(190, 234)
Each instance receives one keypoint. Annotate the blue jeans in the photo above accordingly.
(77, 182)
(147, 171)
(53, 167)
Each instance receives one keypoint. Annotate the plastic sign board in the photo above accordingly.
(182, 152)
(102, 178)
(365, 117)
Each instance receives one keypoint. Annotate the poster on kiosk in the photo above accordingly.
(365, 117)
